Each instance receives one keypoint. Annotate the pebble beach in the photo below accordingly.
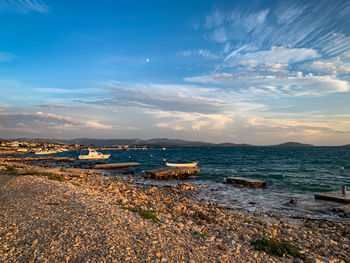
(83, 217)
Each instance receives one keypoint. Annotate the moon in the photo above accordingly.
(147, 60)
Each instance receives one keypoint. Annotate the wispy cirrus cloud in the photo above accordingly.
(278, 56)
(200, 53)
(166, 97)
(255, 86)
(293, 24)
(23, 6)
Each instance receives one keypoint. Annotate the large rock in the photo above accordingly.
(245, 182)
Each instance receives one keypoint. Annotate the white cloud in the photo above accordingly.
(335, 66)
(219, 35)
(287, 23)
(95, 124)
(185, 98)
(215, 19)
(23, 6)
(199, 52)
(287, 15)
(276, 55)
(57, 117)
(255, 86)
(255, 20)
(185, 121)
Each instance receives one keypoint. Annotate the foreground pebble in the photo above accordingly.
(94, 219)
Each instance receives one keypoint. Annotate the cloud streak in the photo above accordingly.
(23, 6)
(164, 97)
(253, 86)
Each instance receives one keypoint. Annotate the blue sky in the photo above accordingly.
(259, 72)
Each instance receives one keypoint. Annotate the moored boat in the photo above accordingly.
(193, 164)
(93, 155)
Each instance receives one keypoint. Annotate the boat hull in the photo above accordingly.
(181, 164)
(44, 153)
(86, 157)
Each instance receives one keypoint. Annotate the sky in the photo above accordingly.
(257, 72)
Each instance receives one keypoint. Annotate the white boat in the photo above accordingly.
(94, 155)
(22, 150)
(194, 164)
(63, 150)
(45, 152)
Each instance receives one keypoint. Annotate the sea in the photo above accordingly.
(291, 172)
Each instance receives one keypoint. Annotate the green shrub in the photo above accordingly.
(147, 214)
(76, 184)
(53, 203)
(51, 176)
(276, 247)
(10, 170)
(56, 177)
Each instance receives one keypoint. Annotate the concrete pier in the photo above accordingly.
(171, 173)
(334, 196)
(114, 165)
(245, 182)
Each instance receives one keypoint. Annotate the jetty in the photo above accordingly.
(334, 196)
(171, 173)
(245, 182)
(114, 165)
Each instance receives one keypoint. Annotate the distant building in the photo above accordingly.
(14, 144)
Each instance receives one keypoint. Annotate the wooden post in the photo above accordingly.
(343, 189)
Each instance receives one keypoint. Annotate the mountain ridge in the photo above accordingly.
(155, 142)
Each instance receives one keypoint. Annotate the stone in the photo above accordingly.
(293, 201)
(245, 182)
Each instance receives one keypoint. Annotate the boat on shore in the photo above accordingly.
(94, 155)
(193, 164)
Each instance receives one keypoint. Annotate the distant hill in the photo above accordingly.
(155, 142)
(100, 142)
(293, 144)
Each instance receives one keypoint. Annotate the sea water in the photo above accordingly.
(291, 172)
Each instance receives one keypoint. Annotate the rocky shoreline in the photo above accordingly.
(75, 215)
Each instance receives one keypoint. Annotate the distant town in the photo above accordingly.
(14, 147)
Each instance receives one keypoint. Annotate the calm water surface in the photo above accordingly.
(290, 173)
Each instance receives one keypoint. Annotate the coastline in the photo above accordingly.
(91, 217)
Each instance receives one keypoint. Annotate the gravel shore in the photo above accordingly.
(88, 218)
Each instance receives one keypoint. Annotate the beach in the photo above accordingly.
(75, 215)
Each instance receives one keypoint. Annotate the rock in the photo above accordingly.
(311, 259)
(245, 182)
(293, 201)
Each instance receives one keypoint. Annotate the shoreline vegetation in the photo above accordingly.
(75, 215)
